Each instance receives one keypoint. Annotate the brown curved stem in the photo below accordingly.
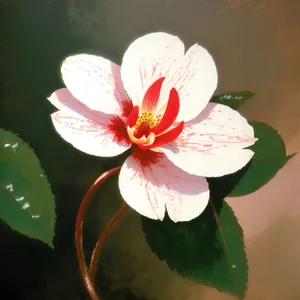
(102, 237)
(78, 230)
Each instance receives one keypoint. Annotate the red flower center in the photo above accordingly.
(145, 126)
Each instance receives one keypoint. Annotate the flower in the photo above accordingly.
(157, 103)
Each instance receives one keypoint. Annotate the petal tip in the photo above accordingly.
(161, 218)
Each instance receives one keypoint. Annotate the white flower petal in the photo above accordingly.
(148, 189)
(65, 101)
(195, 82)
(147, 59)
(138, 189)
(159, 54)
(88, 136)
(212, 144)
(95, 81)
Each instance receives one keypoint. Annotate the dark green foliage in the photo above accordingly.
(233, 100)
(26, 202)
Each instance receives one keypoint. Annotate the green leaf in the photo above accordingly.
(270, 156)
(233, 100)
(27, 204)
(196, 250)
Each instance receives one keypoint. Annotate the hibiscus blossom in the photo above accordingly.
(157, 103)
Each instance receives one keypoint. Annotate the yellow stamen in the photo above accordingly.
(149, 118)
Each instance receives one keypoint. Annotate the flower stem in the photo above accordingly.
(102, 237)
(78, 230)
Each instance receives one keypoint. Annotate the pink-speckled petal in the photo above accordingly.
(195, 82)
(147, 59)
(152, 188)
(156, 55)
(65, 101)
(88, 136)
(212, 144)
(95, 81)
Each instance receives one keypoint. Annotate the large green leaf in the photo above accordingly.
(270, 156)
(233, 100)
(196, 249)
(26, 202)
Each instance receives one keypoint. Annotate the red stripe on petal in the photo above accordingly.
(146, 158)
(166, 138)
(170, 114)
(127, 107)
(151, 97)
(118, 128)
(132, 118)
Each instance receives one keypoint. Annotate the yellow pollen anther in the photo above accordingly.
(147, 117)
